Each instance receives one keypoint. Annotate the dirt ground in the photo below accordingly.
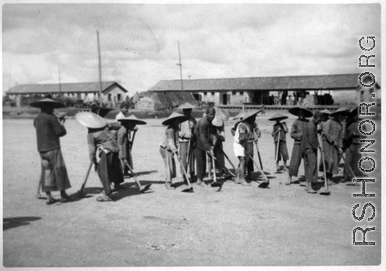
(239, 226)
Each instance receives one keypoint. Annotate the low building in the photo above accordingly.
(112, 92)
(312, 89)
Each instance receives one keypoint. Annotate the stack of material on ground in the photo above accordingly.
(162, 100)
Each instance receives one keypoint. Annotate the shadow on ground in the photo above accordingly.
(14, 222)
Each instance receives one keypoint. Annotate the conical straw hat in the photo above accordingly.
(326, 112)
(341, 110)
(248, 115)
(278, 116)
(296, 111)
(186, 106)
(90, 120)
(174, 116)
(47, 102)
(217, 121)
(132, 119)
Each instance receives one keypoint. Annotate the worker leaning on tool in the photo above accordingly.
(203, 132)
(169, 147)
(126, 135)
(252, 139)
(186, 140)
(243, 131)
(102, 144)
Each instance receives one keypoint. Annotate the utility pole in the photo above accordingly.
(180, 64)
(100, 71)
(60, 84)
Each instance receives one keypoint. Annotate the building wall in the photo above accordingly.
(345, 97)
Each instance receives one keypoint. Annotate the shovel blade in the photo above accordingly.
(188, 190)
(264, 184)
(324, 192)
(145, 188)
(216, 184)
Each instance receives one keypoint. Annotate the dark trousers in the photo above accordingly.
(296, 159)
(109, 170)
(352, 160)
(248, 160)
(201, 163)
(310, 163)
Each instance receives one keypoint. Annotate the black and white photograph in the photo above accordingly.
(186, 134)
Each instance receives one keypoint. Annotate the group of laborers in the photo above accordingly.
(198, 146)
(326, 131)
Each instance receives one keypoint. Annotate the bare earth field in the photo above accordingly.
(239, 226)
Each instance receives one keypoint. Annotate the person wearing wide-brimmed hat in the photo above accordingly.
(124, 110)
(103, 152)
(125, 139)
(203, 132)
(296, 133)
(49, 129)
(217, 139)
(252, 139)
(322, 129)
(243, 132)
(169, 146)
(279, 134)
(309, 147)
(333, 141)
(187, 140)
(352, 145)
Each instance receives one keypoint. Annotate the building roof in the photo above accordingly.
(64, 88)
(307, 82)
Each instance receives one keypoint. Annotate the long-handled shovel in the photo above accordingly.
(278, 148)
(348, 166)
(265, 183)
(80, 192)
(325, 191)
(258, 155)
(215, 183)
(190, 188)
(229, 160)
(141, 188)
(188, 159)
(224, 167)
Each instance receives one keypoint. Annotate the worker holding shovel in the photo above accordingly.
(186, 140)
(103, 152)
(296, 133)
(333, 141)
(309, 147)
(168, 147)
(126, 135)
(242, 133)
(279, 134)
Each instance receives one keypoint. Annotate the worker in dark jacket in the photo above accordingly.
(204, 131)
(125, 139)
(279, 134)
(309, 147)
(297, 133)
(352, 145)
(49, 129)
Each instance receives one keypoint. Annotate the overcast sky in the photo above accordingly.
(139, 42)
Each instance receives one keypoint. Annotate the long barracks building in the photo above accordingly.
(338, 89)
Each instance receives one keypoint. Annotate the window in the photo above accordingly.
(241, 92)
(119, 97)
(205, 93)
(233, 92)
(109, 97)
(212, 93)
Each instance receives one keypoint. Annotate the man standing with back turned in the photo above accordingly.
(49, 129)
